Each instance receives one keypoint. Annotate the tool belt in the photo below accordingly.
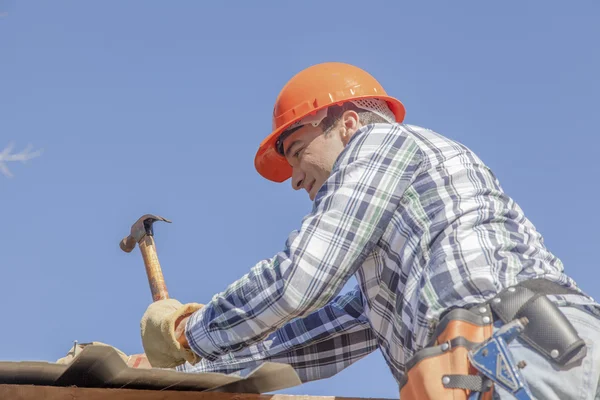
(442, 370)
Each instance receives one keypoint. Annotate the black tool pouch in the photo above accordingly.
(548, 330)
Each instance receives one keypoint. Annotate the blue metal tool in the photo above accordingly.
(493, 359)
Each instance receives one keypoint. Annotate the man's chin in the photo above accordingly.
(313, 193)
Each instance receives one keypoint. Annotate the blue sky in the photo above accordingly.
(156, 107)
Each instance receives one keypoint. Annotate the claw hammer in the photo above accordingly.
(142, 233)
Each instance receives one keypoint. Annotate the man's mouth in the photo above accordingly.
(309, 188)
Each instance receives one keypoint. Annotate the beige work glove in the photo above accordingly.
(79, 347)
(158, 333)
(137, 361)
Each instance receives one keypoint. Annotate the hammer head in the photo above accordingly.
(141, 228)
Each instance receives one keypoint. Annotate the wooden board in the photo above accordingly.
(30, 392)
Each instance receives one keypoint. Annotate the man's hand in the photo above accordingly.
(138, 361)
(78, 348)
(163, 347)
(180, 324)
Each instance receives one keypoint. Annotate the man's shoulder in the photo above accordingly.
(421, 133)
(433, 142)
(397, 128)
(432, 145)
(392, 134)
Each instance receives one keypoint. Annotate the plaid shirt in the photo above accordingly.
(423, 225)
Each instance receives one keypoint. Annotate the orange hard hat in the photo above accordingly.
(311, 90)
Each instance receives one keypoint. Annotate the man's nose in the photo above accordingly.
(297, 178)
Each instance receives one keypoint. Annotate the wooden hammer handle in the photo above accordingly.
(153, 270)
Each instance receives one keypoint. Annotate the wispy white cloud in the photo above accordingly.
(7, 156)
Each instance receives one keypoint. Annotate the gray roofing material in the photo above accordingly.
(102, 367)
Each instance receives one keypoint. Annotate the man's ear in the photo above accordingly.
(350, 124)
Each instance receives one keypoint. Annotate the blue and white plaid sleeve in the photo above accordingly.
(317, 346)
(350, 214)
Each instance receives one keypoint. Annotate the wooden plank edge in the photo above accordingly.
(31, 392)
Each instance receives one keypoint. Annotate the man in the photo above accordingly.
(426, 229)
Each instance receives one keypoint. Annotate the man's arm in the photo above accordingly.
(317, 346)
(350, 213)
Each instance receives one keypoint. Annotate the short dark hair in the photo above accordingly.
(334, 113)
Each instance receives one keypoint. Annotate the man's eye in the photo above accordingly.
(297, 153)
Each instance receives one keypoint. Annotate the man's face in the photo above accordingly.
(312, 153)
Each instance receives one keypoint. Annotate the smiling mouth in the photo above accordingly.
(309, 188)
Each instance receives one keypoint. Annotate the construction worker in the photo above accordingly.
(442, 255)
